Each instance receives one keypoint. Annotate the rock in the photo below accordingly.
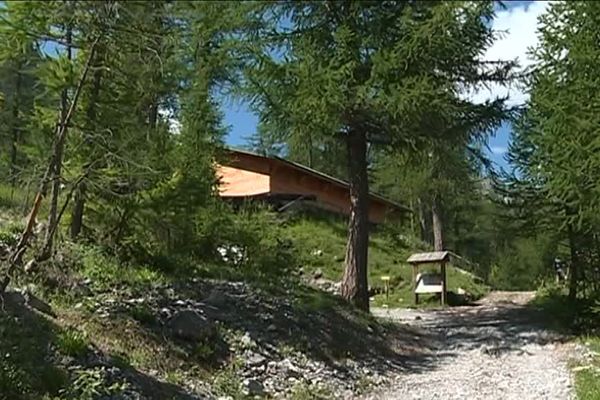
(217, 298)
(247, 342)
(253, 387)
(38, 304)
(289, 368)
(255, 360)
(318, 273)
(190, 325)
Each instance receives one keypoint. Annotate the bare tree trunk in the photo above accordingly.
(81, 191)
(437, 224)
(423, 222)
(354, 281)
(56, 163)
(16, 127)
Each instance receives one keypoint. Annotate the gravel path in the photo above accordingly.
(495, 350)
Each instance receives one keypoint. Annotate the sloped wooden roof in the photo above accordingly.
(430, 257)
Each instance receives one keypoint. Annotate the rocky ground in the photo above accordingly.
(298, 342)
(496, 349)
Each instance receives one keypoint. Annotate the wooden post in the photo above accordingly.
(443, 271)
(414, 282)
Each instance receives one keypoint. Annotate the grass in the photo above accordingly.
(321, 242)
(587, 376)
(72, 342)
(582, 319)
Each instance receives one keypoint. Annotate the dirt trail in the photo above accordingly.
(496, 349)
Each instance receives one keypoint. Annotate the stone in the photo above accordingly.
(255, 359)
(318, 273)
(247, 342)
(254, 387)
(217, 298)
(190, 325)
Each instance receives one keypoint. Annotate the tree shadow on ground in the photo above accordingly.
(495, 329)
(320, 325)
(34, 365)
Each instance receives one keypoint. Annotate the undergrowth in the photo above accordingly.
(582, 318)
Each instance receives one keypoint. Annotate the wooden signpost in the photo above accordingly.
(430, 283)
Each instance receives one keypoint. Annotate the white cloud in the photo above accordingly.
(520, 24)
(498, 150)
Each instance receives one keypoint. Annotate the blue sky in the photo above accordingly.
(518, 21)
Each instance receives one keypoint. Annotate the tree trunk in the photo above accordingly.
(16, 257)
(354, 281)
(423, 221)
(437, 224)
(16, 127)
(56, 163)
(574, 268)
(80, 193)
(78, 209)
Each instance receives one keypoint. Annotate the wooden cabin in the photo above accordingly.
(246, 175)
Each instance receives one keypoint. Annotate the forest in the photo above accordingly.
(111, 127)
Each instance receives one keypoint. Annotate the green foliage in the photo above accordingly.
(556, 139)
(320, 241)
(108, 272)
(249, 241)
(524, 264)
(90, 384)
(14, 382)
(227, 383)
(587, 376)
(306, 391)
(72, 342)
(142, 313)
(26, 372)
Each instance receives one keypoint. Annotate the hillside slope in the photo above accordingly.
(90, 326)
(322, 244)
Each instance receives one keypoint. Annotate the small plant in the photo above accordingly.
(204, 350)
(72, 343)
(227, 383)
(306, 391)
(174, 377)
(13, 382)
(91, 384)
(143, 314)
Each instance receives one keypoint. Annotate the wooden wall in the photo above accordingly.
(236, 182)
(252, 175)
(330, 196)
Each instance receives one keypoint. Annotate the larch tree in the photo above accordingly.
(557, 139)
(382, 73)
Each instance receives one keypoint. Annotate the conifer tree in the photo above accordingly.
(369, 74)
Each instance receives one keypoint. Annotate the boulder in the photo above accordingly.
(190, 325)
(253, 387)
(217, 299)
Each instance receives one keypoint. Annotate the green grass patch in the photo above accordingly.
(587, 376)
(580, 316)
(72, 342)
(321, 243)
(25, 370)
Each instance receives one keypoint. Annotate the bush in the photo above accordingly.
(252, 241)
